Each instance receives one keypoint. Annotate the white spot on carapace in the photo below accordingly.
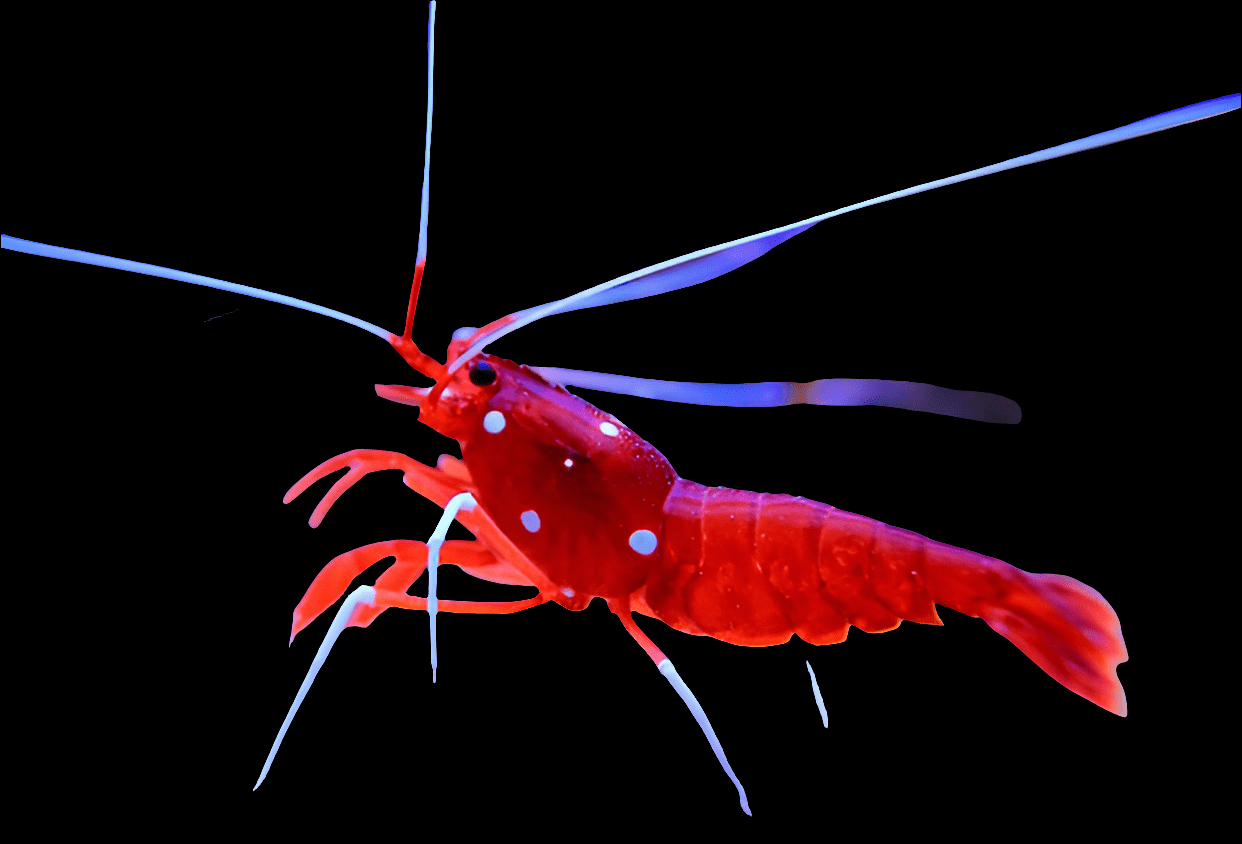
(569, 464)
(464, 333)
(567, 592)
(448, 392)
(643, 541)
(530, 521)
(609, 429)
(494, 422)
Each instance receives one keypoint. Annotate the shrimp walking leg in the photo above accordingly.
(411, 559)
(370, 598)
(386, 598)
(510, 565)
(432, 484)
(621, 607)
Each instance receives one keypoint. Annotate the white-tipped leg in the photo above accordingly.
(361, 595)
(433, 603)
(692, 703)
(819, 699)
(461, 501)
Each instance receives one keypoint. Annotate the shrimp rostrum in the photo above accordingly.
(564, 497)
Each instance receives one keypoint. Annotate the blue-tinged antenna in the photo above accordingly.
(830, 392)
(403, 345)
(421, 255)
(30, 247)
(707, 264)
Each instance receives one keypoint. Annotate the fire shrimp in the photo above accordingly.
(627, 415)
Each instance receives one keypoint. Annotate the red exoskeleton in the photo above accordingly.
(794, 450)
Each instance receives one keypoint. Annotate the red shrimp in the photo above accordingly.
(575, 503)
(246, 395)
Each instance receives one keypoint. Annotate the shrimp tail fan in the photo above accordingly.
(1064, 626)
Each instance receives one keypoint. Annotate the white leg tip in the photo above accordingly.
(692, 703)
(819, 699)
(361, 595)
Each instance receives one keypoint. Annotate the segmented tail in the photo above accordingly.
(1065, 626)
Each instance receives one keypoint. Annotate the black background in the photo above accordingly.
(161, 423)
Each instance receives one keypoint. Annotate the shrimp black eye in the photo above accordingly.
(482, 375)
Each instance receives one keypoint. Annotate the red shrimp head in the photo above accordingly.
(576, 490)
(579, 493)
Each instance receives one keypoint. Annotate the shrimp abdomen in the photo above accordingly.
(754, 569)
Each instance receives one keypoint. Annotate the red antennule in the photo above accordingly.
(405, 345)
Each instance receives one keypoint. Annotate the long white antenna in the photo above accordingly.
(46, 250)
(421, 255)
(706, 264)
